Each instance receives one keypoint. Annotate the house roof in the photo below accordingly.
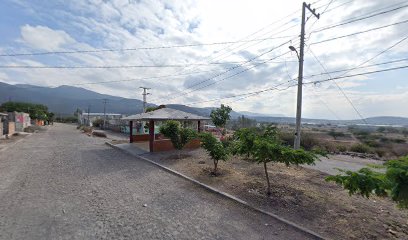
(101, 114)
(165, 114)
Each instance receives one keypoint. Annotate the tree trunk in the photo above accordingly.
(179, 154)
(268, 190)
(215, 167)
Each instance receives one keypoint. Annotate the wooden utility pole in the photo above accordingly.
(145, 93)
(300, 76)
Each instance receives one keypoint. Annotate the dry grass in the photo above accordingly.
(300, 195)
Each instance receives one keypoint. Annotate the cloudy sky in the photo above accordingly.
(203, 53)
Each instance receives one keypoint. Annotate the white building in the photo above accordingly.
(85, 118)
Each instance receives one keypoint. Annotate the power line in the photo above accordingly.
(361, 18)
(140, 48)
(359, 32)
(375, 56)
(354, 68)
(231, 69)
(341, 90)
(355, 75)
(215, 82)
(125, 66)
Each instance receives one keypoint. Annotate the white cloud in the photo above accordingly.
(132, 24)
(44, 38)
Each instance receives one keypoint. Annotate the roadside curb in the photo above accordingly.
(223, 194)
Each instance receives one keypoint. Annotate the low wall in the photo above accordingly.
(166, 145)
(145, 137)
(11, 128)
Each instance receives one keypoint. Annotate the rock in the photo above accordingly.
(201, 162)
(145, 205)
(392, 232)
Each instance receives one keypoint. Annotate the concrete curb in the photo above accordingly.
(224, 194)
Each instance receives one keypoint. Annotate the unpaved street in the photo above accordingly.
(61, 184)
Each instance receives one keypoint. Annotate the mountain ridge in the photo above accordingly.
(66, 99)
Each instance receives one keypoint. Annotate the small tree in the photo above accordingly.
(394, 182)
(220, 116)
(335, 134)
(267, 148)
(179, 136)
(215, 149)
(245, 141)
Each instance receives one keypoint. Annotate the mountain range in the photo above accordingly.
(65, 100)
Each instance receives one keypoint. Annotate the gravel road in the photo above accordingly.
(61, 184)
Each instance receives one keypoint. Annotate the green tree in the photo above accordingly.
(178, 135)
(393, 183)
(36, 111)
(216, 149)
(335, 134)
(245, 138)
(267, 148)
(220, 116)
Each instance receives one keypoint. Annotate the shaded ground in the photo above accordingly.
(61, 184)
(298, 194)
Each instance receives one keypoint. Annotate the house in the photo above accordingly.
(7, 126)
(85, 118)
(21, 120)
(3, 124)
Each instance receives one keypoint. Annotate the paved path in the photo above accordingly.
(61, 184)
(334, 162)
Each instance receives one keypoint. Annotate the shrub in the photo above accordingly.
(341, 148)
(360, 148)
(97, 123)
(178, 136)
(394, 182)
(214, 148)
(398, 140)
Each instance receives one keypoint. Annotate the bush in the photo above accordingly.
(97, 123)
(399, 140)
(360, 148)
(341, 148)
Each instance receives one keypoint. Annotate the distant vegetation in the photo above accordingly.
(36, 111)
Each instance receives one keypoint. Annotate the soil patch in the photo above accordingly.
(298, 194)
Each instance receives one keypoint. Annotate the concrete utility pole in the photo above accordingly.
(104, 111)
(300, 76)
(89, 110)
(145, 93)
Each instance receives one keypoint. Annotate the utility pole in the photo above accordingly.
(104, 111)
(145, 93)
(300, 76)
(89, 110)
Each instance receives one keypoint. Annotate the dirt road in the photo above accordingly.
(61, 184)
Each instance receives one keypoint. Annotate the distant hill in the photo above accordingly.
(66, 99)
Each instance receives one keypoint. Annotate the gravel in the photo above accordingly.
(61, 184)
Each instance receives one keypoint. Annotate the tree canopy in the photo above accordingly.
(220, 116)
(178, 135)
(36, 111)
(365, 182)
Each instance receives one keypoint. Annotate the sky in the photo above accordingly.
(205, 53)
